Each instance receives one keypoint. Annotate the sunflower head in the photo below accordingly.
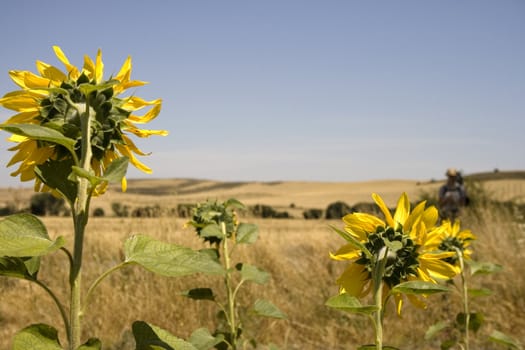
(453, 239)
(398, 244)
(51, 109)
(214, 213)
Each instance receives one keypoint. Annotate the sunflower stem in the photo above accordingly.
(379, 269)
(231, 293)
(80, 218)
(464, 286)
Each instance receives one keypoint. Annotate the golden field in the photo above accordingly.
(295, 252)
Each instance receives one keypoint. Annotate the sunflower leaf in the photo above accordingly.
(169, 259)
(483, 268)
(41, 133)
(481, 292)
(116, 170)
(91, 344)
(24, 235)
(346, 302)
(37, 337)
(266, 309)
(502, 338)
(199, 294)
(203, 340)
(252, 273)
(56, 175)
(19, 267)
(148, 337)
(435, 329)
(418, 287)
(353, 241)
(247, 233)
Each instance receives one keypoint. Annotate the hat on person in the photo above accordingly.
(451, 172)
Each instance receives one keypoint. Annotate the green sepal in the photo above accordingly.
(502, 338)
(232, 202)
(56, 174)
(24, 235)
(201, 339)
(483, 268)
(252, 273)
(168, 259)
(41, 133)
(353, 241)
(346, 302)
(23, 268)
(212, 230)
(418, 287)
(91, 344)
(265, 308)
(116, 170)
(435, 329)
(150, 337)
(199, 294)
(37, 337)
(247, 233)
(88, 88)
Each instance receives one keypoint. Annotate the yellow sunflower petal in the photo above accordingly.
(346, 252)
(150, 115)
(72, 70)
(402, 210)
(23, 118)
(20, 101)
(386, 212)
(134, 103)
(50, 72)
(99, 67)
(89, 67)
(354, 280)
(133, 160)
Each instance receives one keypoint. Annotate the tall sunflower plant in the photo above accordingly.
(458, 332)
(390, 258)
(72, 133)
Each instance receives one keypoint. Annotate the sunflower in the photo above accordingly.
(404, 238)
(449, 237)
(57, 100)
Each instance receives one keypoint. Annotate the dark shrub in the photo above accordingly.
(313, 214)
(337, 210)
(99, 212)
(120, 210)
(46, 204)
(265, 211)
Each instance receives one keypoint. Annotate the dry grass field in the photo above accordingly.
(294, 251)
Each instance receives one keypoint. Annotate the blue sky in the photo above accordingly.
(296, 89)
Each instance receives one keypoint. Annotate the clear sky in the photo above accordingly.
(320, 90)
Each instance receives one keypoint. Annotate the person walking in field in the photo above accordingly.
(452, 196)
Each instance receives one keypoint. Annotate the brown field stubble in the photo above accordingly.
(295, 252)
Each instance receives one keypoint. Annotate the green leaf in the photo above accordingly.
(475, 321)
(150, 337)
(483, 268)
(17, 267)
(87, 88)
(203, 340)
(346, 302)
(38, 132)
(23, 235)
(353, 241)
(91, 344)
(418, 287)
(481, 292)
(212, 230)
(252, 273)
(199, 294)
(167, 259)
(435, 329)
(267, 309)
(232, 202)
(37, 337)
(502, 338)
(56, 174)
(247, 233)
(116, 170)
